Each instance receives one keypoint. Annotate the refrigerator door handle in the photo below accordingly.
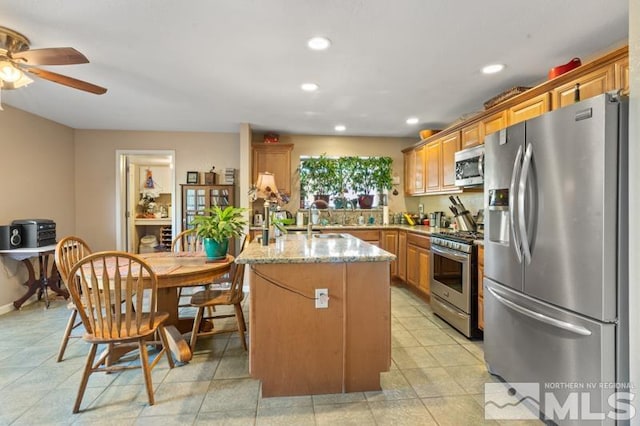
(526, 250)
(481, 165)
(577, 329)
(512, 205)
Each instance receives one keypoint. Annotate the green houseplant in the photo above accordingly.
(318, 176)
(369, 174)
(343, 180)
(217, 226)
(363, 182)
(382, 175)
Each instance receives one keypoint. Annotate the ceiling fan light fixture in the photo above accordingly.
(9, 73)
(21, 82)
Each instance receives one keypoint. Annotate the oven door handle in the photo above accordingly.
(449, 253)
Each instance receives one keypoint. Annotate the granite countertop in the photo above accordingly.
(297, 248)
(420, 229)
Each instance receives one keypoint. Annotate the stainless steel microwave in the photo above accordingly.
(470, 166)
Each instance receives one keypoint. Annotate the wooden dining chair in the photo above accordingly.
(186, 240)
(101, 277)
(69, 251)
(220, 294)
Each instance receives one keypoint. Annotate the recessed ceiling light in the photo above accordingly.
(492, 69)
(340, 128)
(309, 87)
(412, 120)
(319, 43)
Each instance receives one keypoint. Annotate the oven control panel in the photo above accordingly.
(454, 245)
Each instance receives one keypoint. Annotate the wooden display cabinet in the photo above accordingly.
(197, 198)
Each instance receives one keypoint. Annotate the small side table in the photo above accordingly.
(42, 282)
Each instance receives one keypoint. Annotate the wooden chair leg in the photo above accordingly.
(71, 324)
(146, 372)
(196, 328)
(88, 369)
(241, 325)
(165, 344)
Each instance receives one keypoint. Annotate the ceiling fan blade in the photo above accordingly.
(51, 56)
(67, 81)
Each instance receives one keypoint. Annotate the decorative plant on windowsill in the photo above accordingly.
(318, 176)
(217, 226)
(363, 182)
(382, 175)
(370, 174)
(343, 180)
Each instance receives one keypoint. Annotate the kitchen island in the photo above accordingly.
(299, 348)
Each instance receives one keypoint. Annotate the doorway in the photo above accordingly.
(145, 199)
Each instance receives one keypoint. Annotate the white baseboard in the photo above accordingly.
(5, 309)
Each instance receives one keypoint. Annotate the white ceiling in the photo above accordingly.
(205, 65)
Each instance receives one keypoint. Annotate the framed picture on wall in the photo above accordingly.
(192, 178)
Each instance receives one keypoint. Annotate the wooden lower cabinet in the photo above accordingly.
(389, 242)
(480, 287)
(418, 262)
(402, 255)
(342, 348)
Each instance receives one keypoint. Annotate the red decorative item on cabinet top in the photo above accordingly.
(271, 138)
(561, 69)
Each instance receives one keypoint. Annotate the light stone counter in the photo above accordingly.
(297, 248)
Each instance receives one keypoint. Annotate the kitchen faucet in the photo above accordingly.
(314, 206)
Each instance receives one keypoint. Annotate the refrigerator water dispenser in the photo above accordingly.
(498, 216)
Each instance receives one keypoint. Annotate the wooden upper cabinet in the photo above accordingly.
(433, 157)
(273, 158)
(493, 123)
(530, 108)
(409, 171)
(592, 84)
(420, 172)
(471, 136)
(622, 75)
(450, 144)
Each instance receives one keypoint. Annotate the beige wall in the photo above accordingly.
(36, 181)
(345, 146)
(95, 152)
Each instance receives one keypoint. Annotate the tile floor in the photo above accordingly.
(437, 377)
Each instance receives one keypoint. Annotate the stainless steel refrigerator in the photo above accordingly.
(555, 286)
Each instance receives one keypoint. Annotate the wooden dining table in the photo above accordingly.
(182, 269)
(175, 270)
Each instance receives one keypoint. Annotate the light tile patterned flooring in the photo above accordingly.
(437, 377)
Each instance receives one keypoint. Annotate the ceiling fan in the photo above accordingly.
(16, 60)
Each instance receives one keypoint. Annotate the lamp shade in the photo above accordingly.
(266, 185)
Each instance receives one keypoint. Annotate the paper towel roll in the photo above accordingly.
(385, 215)
(299, 219)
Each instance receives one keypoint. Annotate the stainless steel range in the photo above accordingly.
(454, 276)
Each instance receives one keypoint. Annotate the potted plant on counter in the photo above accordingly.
(217, 226)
